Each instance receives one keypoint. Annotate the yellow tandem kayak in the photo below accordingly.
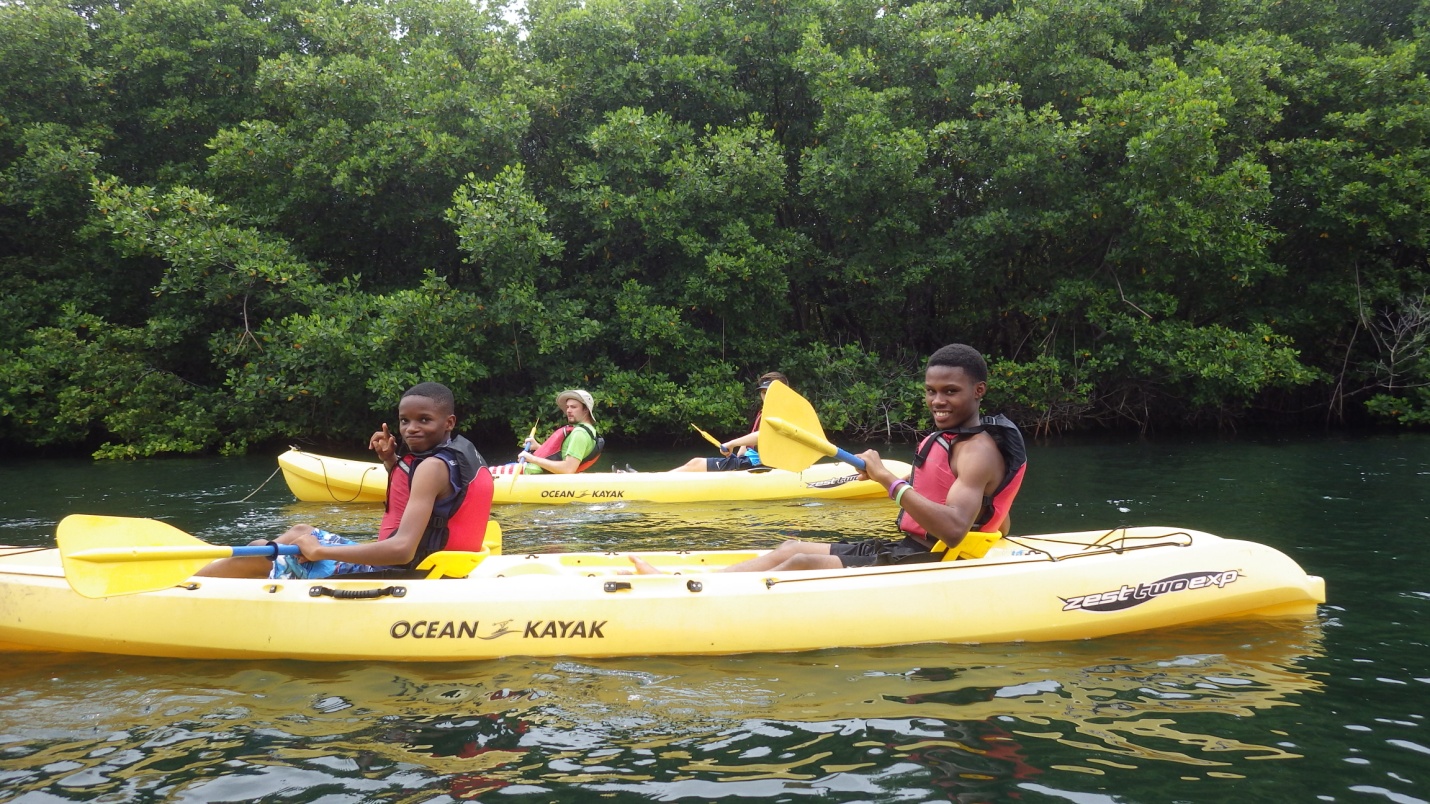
(1027, 588)
(320, 478)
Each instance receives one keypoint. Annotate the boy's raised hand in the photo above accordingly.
(384, 444)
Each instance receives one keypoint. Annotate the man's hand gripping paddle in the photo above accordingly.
(527, 445)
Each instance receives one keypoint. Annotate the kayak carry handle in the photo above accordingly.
(356, 594)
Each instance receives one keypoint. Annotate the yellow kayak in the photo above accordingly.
(320, 478)
(1026, 588)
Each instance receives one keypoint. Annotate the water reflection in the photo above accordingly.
(966, 723)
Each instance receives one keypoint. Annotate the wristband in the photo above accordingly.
(899, 498)
(895, 486)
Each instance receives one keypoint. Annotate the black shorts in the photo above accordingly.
(728, 463)
(882, 552)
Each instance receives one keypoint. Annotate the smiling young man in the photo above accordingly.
(432, 505)
(966, 474)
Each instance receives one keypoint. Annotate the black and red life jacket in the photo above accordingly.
(458, 522)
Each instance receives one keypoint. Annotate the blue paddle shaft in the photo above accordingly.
(267, 550)
(851, 459)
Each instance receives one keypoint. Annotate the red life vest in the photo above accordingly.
(551, 447)
(933, 476)
(458, 522)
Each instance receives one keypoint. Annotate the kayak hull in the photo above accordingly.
(321, 478)
(1035, 588)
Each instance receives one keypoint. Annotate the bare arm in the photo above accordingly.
(979, 467)
(579, 442)
(746, 440)
(429, 484)
(565, 466)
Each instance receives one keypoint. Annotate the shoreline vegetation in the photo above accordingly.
(225, 225)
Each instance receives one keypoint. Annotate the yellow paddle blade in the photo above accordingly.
(810, 440)
(712, 439)
(104, 556)
(788, 445)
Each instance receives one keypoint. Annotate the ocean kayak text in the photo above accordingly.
(463, 629)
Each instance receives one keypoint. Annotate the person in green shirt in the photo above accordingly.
(573, 447)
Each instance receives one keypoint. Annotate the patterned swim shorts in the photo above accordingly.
(295, 568)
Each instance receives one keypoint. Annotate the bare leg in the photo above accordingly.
(644, 567)
(251, 566)
(692, 465)
(810, 561)
(792, 555)
(778, 556)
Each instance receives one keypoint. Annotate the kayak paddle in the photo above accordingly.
(712, 439)
(104, 556)
(526, 446)
(791, 436)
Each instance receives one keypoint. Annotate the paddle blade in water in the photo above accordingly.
(783, 450)
(104, 556)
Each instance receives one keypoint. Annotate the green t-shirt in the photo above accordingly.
(580, 442)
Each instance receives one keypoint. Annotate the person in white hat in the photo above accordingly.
(573, 447)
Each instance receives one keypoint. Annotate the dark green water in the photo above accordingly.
(1331, 710)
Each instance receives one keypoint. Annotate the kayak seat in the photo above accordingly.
(491, 542)
(452, 563)
(975, 545)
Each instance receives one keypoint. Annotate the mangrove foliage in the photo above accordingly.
(226, 223)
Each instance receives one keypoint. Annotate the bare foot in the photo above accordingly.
(644, 567)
